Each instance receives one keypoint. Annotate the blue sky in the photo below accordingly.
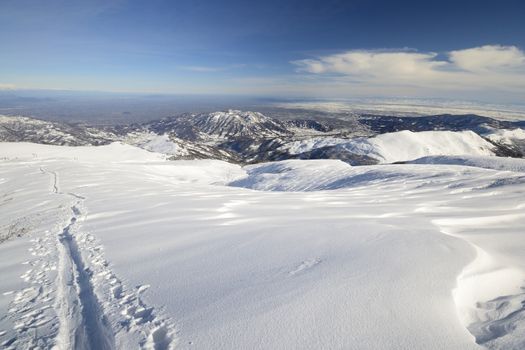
(330, 48)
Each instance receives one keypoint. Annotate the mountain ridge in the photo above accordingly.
(247, 137)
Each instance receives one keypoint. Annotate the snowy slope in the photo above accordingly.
(506, 136)
(156, 143)
(316, 175)
(115, 153)
(403, 145)
(328, 256)
(301, 146)
(24, 129)
(512, 139)
(495, 163)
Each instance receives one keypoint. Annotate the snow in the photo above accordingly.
(115, 153)
(298, 147)
(506, 136)
(403, 145)
(156, 143)
(495, 163)
(294, 254)
(235, 123)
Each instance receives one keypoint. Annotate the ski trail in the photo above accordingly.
(55, 188)
(89, 329)
(82, 323)
(95, 310)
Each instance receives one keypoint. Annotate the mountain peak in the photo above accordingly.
(239, 116)
(235, 123)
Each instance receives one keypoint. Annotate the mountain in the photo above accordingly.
(238, 136)
(250, 137)
(218, 126)
(401, 145)
(236, 124)
(23, 129)
(449, 122)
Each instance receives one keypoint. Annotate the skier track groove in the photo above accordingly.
(91, 329)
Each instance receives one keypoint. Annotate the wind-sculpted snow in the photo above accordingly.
(495, 163)
(289, 255)
(316, 175)
(489, 294)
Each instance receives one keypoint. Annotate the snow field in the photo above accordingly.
(293, 254)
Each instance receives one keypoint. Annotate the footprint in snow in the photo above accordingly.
(305, 265)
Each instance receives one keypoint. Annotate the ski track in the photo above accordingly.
(91, 329)
(61, 308)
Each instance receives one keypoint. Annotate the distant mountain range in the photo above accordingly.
(251, 137)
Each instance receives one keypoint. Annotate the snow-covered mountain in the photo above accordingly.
(236, 124)
(401, 145)
(251, 137)
(24, 129)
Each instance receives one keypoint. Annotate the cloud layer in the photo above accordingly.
(487, 68)
(4, 86)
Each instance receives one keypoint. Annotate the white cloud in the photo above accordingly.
(373, 64)
(480, 69)
(489, 57)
